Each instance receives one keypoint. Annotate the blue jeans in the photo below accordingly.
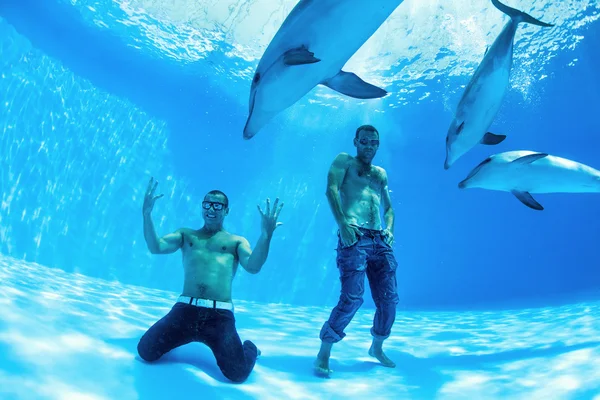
(214, 327)
(373, 256)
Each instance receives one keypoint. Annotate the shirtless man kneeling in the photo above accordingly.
(204, 311)
(357, 192)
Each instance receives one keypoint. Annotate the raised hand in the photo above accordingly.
(149, 197)
(269, 217)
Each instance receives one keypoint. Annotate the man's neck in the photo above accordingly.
(211, 229)
(363, 163)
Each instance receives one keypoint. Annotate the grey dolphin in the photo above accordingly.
(524, 172)
(310, 48)
(483, 95)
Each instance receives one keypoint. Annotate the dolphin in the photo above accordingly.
(523, 172)
(310, 48)
(483, 95)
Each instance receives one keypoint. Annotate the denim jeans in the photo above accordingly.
(372, 256)
(214, 327)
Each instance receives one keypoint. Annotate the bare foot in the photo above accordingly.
(321, 366)
(383, 359)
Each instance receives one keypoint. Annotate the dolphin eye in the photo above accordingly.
(256, 77)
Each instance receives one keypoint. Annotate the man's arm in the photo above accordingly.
(335, 177)
(386, 202)
(252, 261)
(164, 245)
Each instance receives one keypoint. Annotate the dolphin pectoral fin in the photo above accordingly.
(491, 139)
(299, 56)
(351, 85)
(528, 159)
(527, 199)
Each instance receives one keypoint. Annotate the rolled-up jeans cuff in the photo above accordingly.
(380, 337)
(328, 335)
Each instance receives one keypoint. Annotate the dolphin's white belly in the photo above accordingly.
(548, 175)
(289, 84)
(482, 103)
(331, 29)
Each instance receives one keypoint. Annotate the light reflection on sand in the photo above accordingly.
(69, 336)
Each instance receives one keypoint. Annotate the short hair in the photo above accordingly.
(368, 128)
(221, 194)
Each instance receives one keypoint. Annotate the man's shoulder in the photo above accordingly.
(380, 173)
(380, 170)
(230, 237)
(343, 158)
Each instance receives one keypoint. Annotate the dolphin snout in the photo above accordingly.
(462, 184)
(248, 133)
(249, 130)
(447, 163)
(256, 122)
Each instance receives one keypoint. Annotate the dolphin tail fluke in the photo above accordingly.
(351, 85)
(517, 15)
(527, 199)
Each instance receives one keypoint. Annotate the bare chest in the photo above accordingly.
(214, 245)
(363, 178)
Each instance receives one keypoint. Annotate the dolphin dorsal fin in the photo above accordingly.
(351, 85)
(528, 159)
(299, 56)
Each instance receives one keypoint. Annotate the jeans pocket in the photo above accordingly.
(384, 242)
(342, 247)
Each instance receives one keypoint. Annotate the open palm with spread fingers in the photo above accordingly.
(150, 198)
(269, 216)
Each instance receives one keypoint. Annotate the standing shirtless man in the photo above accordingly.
(357, 191)
(204, 311)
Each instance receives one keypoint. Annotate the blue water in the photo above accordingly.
(98, 96)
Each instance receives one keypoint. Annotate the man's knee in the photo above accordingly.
(146, 351)
(352, 301)
(237, 376)
(390, 298)
(236, 373)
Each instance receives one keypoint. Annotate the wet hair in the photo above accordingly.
(218, 192)
(368, 128)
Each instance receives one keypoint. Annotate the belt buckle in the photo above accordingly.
(203, 303)
(199, 302)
